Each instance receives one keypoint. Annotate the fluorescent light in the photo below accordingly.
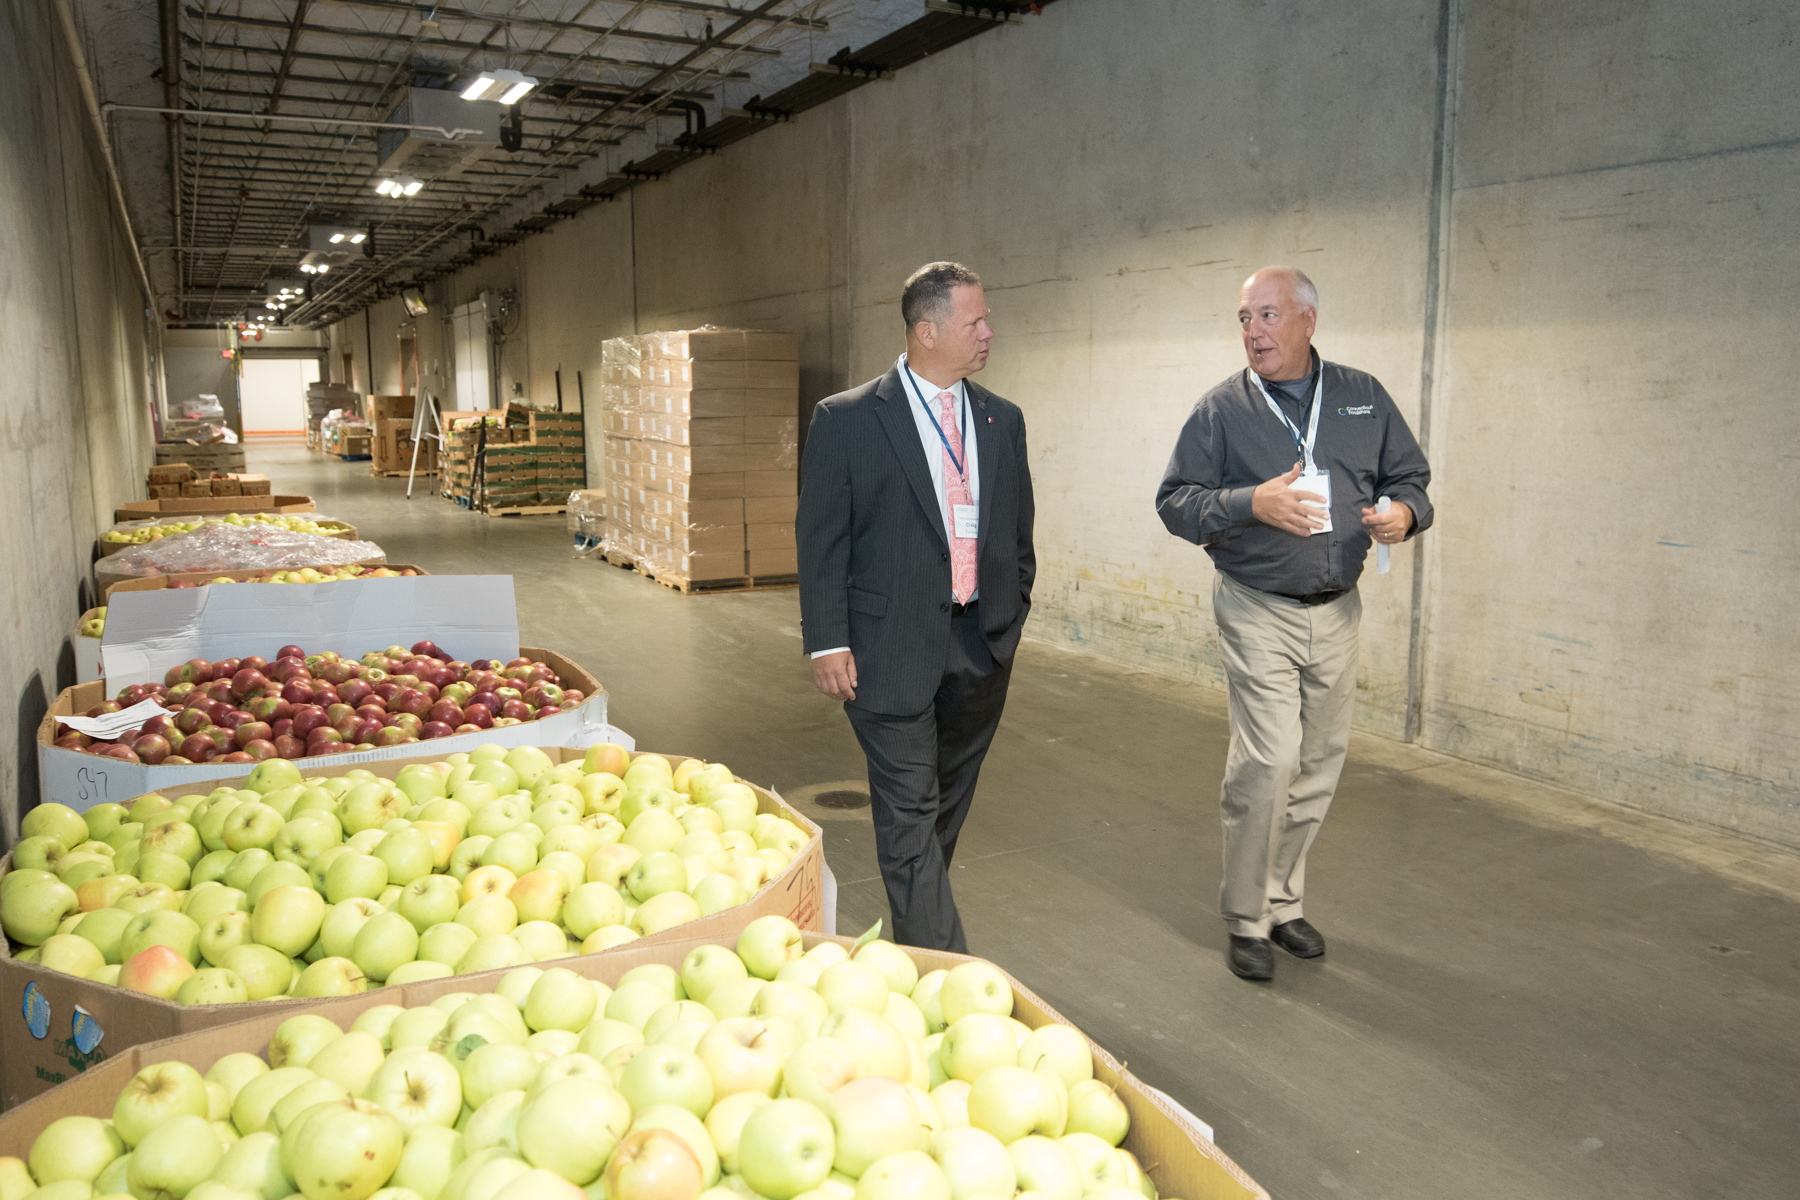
(505, 87)
(356, 239)
(384, 188)
(322, 268)
(336, 238)
(412, 187)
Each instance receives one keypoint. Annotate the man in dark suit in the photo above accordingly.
(914, 534)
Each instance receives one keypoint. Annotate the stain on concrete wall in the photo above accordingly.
(77, 345)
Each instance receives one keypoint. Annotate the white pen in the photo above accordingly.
(1381, 550)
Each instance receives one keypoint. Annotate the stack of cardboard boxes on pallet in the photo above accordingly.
(170, 481)
(512, 459)
(323, 399)
(203, 458)
(702, 444)
(392, 444)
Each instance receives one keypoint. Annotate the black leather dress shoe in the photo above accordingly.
(1250, 958)
(1298, 938)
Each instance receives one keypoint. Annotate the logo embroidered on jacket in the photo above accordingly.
(1360, 410)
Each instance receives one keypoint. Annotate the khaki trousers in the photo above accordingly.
(1291, 671)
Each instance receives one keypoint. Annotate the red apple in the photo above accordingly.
(297, 691)
(337, 712)
(194, 670)
(430, 650)
(231, 718)
(518, 710)
(289, 746)
(549, 710)
(347, 725)
(353, 692)
(220, 737)
(172, 676)
(325, 735)
(571, 696)
(122, 753)
(366, 729)
(280, 726)
(487, 699)
(386, 690)
(435, 729)
(104, 707)
(191, 720)
(518, 662)
(270, 708)
(412, 700)
(247, 682)
(290, 652)
(325, 695)
(482, 664)
(224, 669)
(254, 662)
(337, 672)
(479, 715)
(389, 735)
(307, 718)
(410, 722)
(467, 728)
(218, 689)
(543, 695)
(175, 760)
(236, 756)
(447, 711)
(74, 741)
(252, 731)
(198, 748)
(260, 749)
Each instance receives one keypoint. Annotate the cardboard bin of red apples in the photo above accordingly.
(301, 705)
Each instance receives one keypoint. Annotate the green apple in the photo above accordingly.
(853, 984)
(878, 1046)
(331, 977)
(369, 806)
(287, 918)
(1095, 1108)
(665, 911)
(266, 972)
(419, 1087)
(976, 1164)
(407, 854)
(910, 1175)
(872, 1118)
(275, 875)
(718, 892)
(653, 830)
(250, 826)
(725, 1124)
(71, 954)
(634, 1001)
(343, 921)
(430, 900)
(1044, 1167)
(74, 1147)
(307, 836)
(355, 874)
(539, 895)
(977, 1043)
(1011, 1103)
(347, 1152)
(603, 1035)
(156, 1095)
(385, 942)
(706, 967)
(253, 1164)
(446, 943)
(495, 1123)
(688, 1127)
(1060, 1050)
(257, 1098)
(244, 867)
(432, 1153)
(560, 999)
(975, 987)
(104, 927)
(784, 1148)
(768, 942)
(174, 1157)
(350, 1060)
(417, 1028)
(157, 928)
(212, 985)
(31, 910)
(572, 1128)
(592, 906)
(817, 1069)
(272, 774)
(661, 1074)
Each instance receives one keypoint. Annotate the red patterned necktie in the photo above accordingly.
(956, 491)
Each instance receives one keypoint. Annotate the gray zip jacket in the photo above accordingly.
(1231, 442)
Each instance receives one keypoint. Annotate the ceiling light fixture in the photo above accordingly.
(398, 186)
(506, 87)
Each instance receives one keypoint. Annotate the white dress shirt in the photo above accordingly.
(925, 417)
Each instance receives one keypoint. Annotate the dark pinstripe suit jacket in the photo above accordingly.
(874, 559)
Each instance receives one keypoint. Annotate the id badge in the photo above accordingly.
(1320, 483)
(967, 519)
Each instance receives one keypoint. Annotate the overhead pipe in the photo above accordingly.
(169, 18)
(255, 118)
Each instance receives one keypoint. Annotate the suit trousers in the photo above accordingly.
(922, 772)
(1291, 673)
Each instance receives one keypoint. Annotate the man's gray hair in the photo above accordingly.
(1305, 294)
(926, 296)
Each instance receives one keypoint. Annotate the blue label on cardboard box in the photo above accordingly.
(37, 1011)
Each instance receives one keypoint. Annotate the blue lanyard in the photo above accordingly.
(963, 424)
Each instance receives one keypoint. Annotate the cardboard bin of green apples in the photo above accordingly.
(56, 1026)
(762, 1063)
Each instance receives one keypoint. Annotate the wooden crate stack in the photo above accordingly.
(702, 447)
(170, 481)
(514, 460)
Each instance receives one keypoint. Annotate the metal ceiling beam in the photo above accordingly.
(438, 43)
(596, 90)
(334, 102)
(287, 54)
(443, 13)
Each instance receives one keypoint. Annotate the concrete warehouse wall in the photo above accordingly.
(1558, 234)
(76, 348)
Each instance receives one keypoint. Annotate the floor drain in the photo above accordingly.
(841, 799)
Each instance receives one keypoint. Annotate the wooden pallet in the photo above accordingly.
(531, 510)
(398, 474)
(703, 587)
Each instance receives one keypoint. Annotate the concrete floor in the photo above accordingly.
(1526, 995)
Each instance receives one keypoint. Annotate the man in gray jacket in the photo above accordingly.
(914, 533)
(1285, 473)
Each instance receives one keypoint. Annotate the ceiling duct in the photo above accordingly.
(430, 153)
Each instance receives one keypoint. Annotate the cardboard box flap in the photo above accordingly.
(469, 616)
